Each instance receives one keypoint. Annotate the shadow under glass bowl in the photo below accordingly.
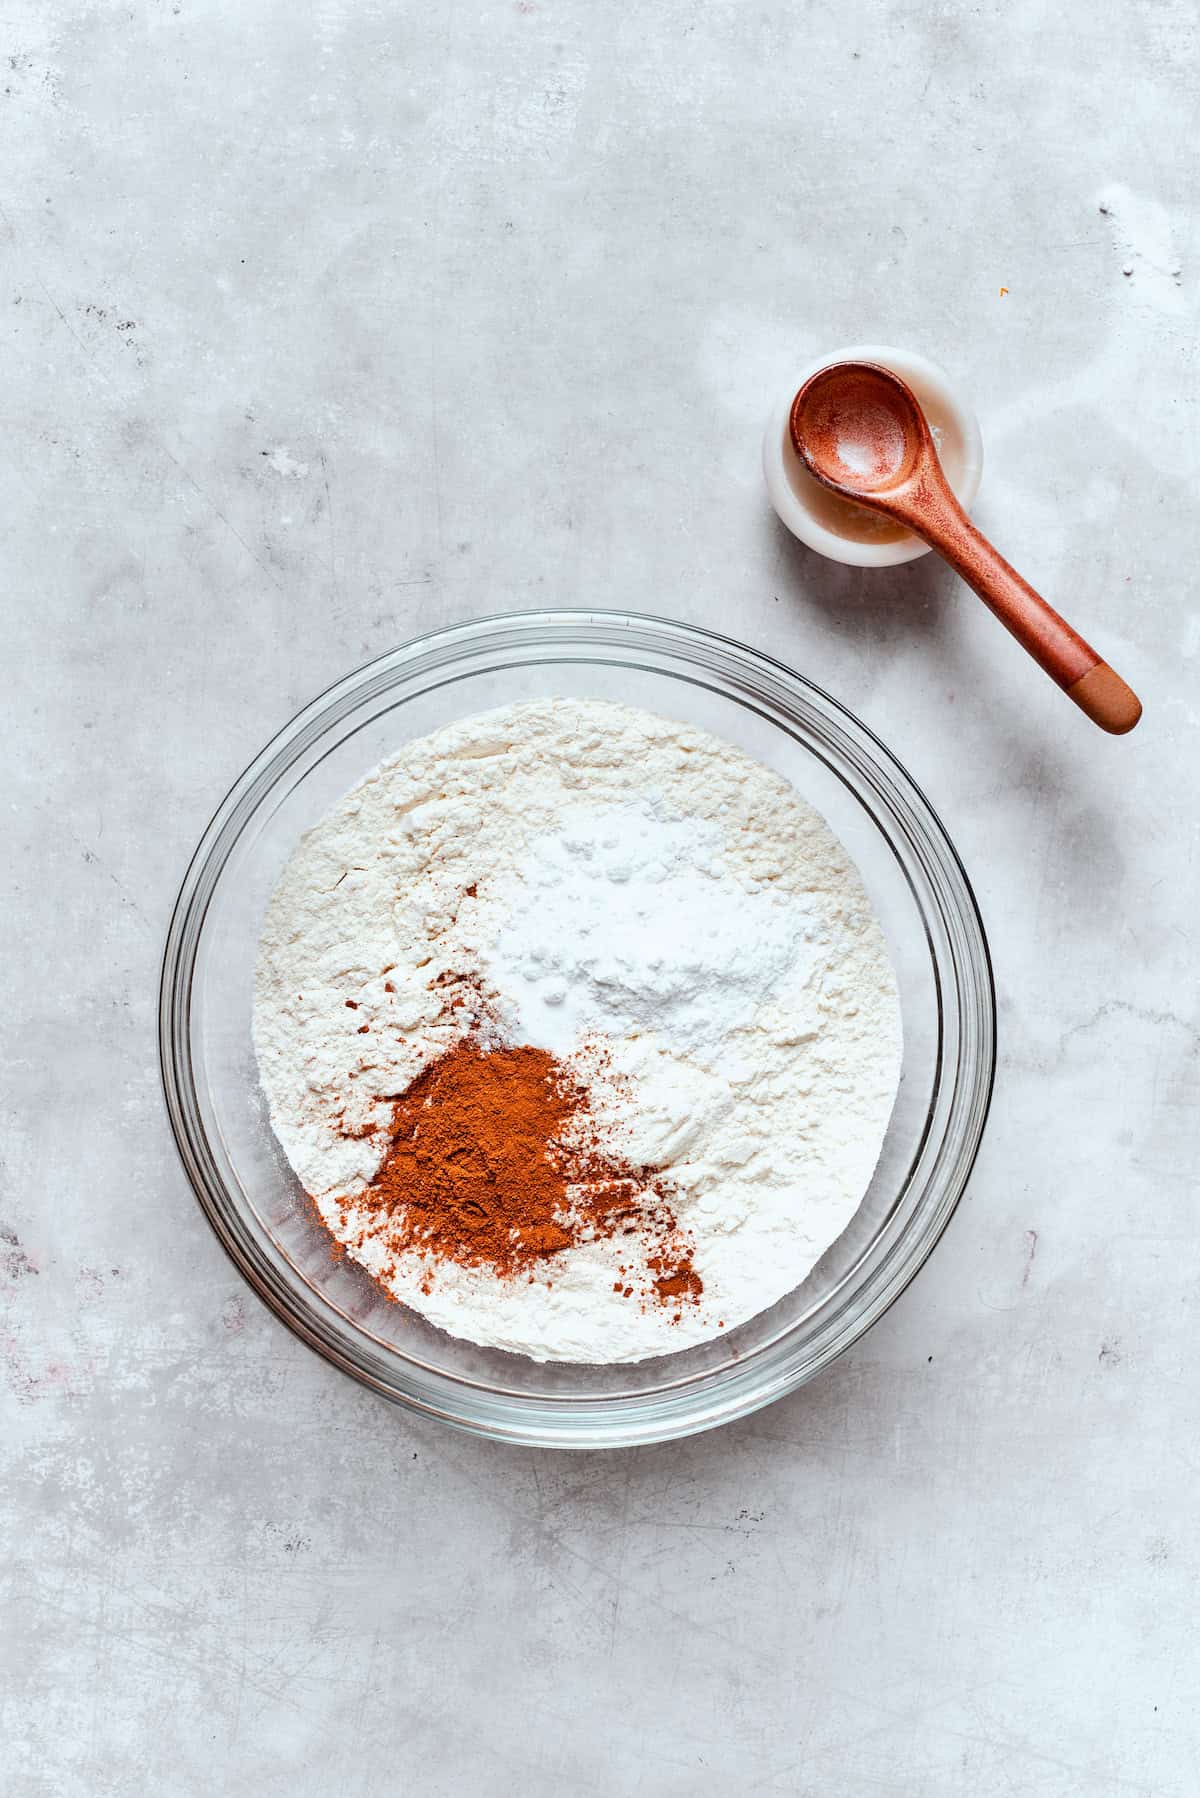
(914, 880)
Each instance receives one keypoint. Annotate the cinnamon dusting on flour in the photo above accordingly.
(495, 1161)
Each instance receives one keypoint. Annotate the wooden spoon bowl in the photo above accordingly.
(859, 430)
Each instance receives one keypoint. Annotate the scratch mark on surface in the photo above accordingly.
(435, 425)
(333, 573)
(210, 501)
(1142, 1012)
(95, 370)
(619, 1576)
(1031, 1245)
(559, 1542)
(96, 861)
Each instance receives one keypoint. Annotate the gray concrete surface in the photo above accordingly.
(323, 325)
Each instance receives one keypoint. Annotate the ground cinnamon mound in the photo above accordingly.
(495, 1161)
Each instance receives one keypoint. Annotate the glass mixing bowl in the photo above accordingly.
(910, 870)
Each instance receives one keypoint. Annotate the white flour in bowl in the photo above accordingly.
(666, 917)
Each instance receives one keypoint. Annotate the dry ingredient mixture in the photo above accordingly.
(494, 1163)
(577, 1027)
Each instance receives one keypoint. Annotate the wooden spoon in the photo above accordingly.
(860, 431)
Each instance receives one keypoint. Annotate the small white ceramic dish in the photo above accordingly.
(851, 534)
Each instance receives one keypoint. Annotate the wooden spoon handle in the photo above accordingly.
(1096, 689)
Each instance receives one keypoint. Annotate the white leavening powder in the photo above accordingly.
(623, 921)
(644, 901)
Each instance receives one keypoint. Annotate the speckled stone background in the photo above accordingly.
(326, 324)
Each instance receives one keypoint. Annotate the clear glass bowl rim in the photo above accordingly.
(963, 969)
